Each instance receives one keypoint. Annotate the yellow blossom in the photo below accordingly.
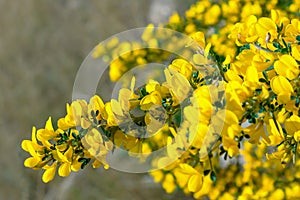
(287, 66)
(282, 87)
(49, 172)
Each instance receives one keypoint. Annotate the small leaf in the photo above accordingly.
(298, 38)
(206, 172)
(213, 176)
(262, 80)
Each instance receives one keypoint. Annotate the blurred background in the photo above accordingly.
(42, 44)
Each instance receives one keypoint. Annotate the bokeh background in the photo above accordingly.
(42, 44)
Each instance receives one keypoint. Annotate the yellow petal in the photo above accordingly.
(296, 52)
(292, 124)
(116, 108)
(49, 125)
(31, 162)
(64, 169)
(33, 134)
(61, 156)
(195, 183)
(297, 136)
(280, 84)
(49, 173)
(287, 66)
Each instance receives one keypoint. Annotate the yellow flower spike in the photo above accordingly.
(49, 172)
(282, 87)
(287, 66)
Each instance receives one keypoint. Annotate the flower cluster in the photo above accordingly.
(234, 137)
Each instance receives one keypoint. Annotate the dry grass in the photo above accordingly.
(42, 44)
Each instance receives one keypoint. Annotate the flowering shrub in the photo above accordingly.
(243, 143)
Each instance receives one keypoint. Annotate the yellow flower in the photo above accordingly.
(292, 30)
(157, 175)
(296, 52)
(275, 132)
(212, 15)
(244, 33)
(93, 142)
(32, 147)
(96, 107)
(49, 172)
(183, 67)
(66, 162)
(287, 66)
(68, 121)
(179, 86)
(200, 38)
(175, 19)
(169, 183)
(154, 98)
(108, 115)
(292, 126)
(77, 115)
(230, 145)
(46, 134)
(256, 131)
(266, 30)
(189, 177)
(282, 87)
(251, 9)
(251, 79)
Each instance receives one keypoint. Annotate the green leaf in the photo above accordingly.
(213, 176)
(206, 172)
